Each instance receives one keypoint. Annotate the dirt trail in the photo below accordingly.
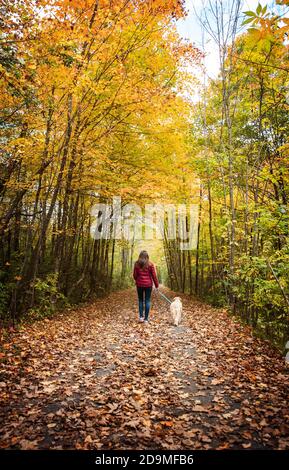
(94, 378)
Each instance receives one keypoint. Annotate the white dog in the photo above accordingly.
(176, 309)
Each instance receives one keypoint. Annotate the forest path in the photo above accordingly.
(95, 378)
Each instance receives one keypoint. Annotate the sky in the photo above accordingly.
(190, 28)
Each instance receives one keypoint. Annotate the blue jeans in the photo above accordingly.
(144, 292)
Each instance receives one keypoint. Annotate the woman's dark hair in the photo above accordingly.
(143, 259)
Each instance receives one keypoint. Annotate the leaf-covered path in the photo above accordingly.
(94, 378)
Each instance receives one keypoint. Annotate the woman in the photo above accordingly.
(144, 274)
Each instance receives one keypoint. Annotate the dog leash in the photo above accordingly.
(165, 297)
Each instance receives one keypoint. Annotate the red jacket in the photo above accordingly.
(145, 277)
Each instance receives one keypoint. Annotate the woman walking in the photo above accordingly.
(144, 274)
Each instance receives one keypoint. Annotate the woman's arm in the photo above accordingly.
(154, 276)
(135, 273)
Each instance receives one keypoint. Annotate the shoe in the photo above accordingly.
(141, 320)
(146, 321)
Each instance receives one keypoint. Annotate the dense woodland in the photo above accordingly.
(96, 102)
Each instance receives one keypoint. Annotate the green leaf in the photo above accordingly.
(259, 9)
(249, 13)
(253, 30)
(248, 20)
(264, 10)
